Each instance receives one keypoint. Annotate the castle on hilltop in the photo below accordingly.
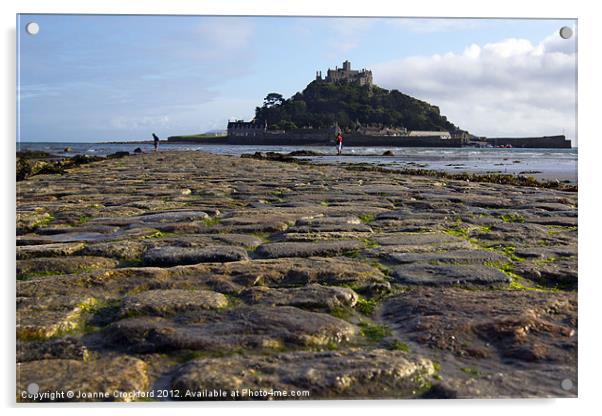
(346, 74)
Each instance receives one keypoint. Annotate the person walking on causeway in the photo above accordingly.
(339, 143)
(155, 142)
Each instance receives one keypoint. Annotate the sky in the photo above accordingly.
(98, 78)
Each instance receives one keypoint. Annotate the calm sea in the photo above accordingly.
(549, 164)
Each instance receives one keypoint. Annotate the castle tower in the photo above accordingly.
(346, 74)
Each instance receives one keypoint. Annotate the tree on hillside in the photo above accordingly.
(273, 99)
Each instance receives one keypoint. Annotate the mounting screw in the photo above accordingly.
(32, 28)
(566, 32)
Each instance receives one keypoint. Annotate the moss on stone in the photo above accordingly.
(352, 253)
(340, 312)
(513, 217)
(365, 306)
(41, 273)
(374, 333)
(367, 218)
(211, 221)
(157, 234)
(399, 346)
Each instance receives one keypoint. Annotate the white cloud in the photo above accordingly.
(507, 88)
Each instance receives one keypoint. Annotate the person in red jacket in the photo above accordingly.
(339, 144)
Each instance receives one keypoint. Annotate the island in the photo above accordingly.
(347, 101)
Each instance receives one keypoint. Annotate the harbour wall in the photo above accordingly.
(298, 139)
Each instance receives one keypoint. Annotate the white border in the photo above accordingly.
(590, 130)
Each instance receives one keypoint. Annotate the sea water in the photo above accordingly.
(549, 164)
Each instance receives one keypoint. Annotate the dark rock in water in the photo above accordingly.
(428, 274)
(388, 153)
(117, 155)
(81, 159)
(174, 256)
(60, 348)
(67, 149)
(33, 154)
(251, 327)
(279, 157)
(29, 164)
(137, 150)
(303, 153)
(77, 160)
(89, 378)
(29, 167)
(256, 155)
(325, 375)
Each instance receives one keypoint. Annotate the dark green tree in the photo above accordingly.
(273, 99)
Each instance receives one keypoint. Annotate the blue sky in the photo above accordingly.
(89, 78)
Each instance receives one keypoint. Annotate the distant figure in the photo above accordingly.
(339, 144)
(155, 141)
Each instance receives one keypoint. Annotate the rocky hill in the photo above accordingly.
(322, 103)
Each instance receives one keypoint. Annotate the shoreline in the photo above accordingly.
(544, 165)
(33, 163)
(210, 142)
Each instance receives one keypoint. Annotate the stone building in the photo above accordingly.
(380, 130)
(346, 74)
(424, 133)
(242, 128)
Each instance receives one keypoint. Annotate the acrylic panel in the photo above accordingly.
(295, 208)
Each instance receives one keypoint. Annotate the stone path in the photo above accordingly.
(188, 270)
